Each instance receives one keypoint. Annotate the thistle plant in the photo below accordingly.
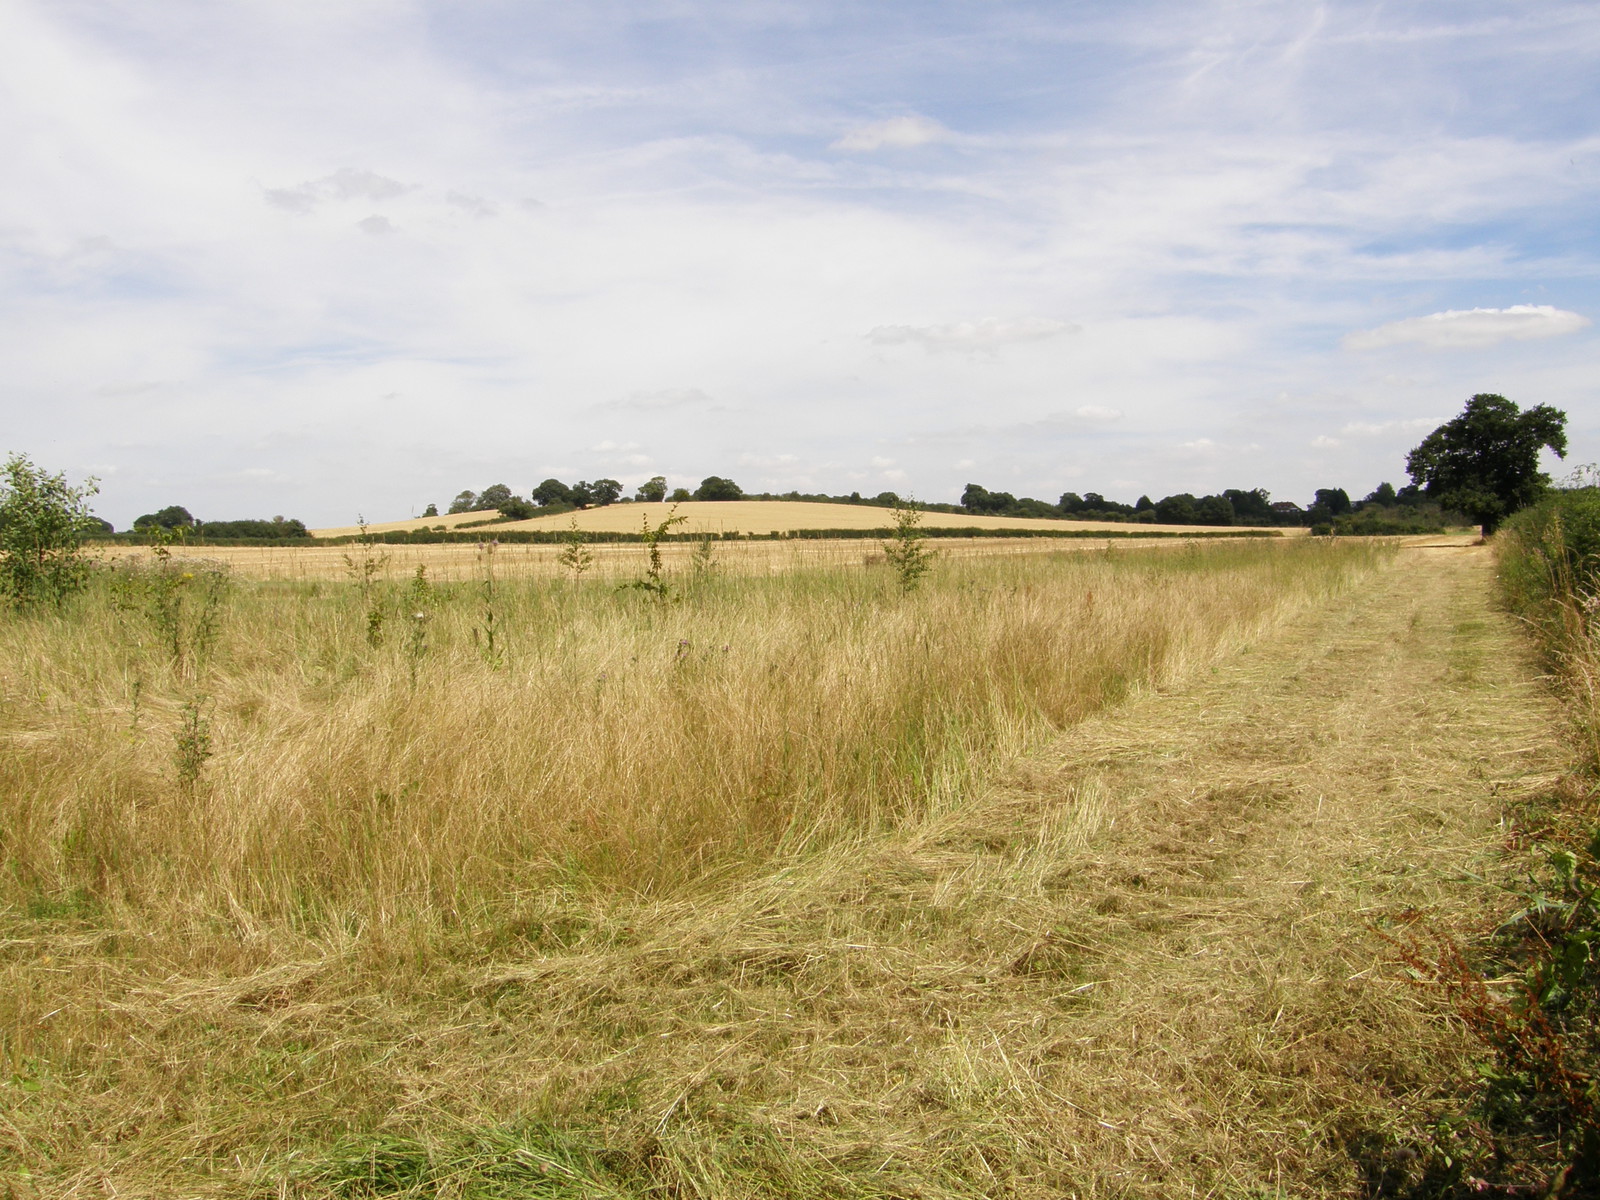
(488, 633)
(419, 611)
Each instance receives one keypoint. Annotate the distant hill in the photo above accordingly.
(747, 517)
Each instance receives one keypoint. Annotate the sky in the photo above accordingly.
(330, 258)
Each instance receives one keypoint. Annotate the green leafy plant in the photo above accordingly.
(192, 742)
(366, 567)
(653, 582)
(908, 551)
(43, 521)
(575, 556)
(180, 599)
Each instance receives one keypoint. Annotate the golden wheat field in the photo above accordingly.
(758, 885)
(759, 517)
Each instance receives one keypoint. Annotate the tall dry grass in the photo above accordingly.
(608, 742)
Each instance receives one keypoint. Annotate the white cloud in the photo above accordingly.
(987, 335)
(660, 400)
(1381, 428)
(347, 183)
(1097, 412)
(1323, 442)
(375, 224)
(1472, 327)
(899, 133)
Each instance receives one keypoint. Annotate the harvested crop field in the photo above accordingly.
(612, 562)
(1066, 876)
(759, 517)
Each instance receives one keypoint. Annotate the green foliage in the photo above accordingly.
(1485, 463)
(714, 487)
(431, 511)
(174, 516)
(679, 495)
(180, 600)
(653, 582)
(43, 521)
(908, 552)
(605, 491)
(1550, 556)
(550, 493)
(466, 501)
(420, 604)
(494, 496)
(191, 742)
(653, 490)
(517, 509)
(366, 567)
(575, 556)
(278, 527)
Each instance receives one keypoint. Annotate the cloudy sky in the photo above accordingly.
(322, 257)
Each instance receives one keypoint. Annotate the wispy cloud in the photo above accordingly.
(989, 334)
(1471, 328)
(347, 183)
(895, 133)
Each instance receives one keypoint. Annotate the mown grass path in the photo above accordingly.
(1251, 832)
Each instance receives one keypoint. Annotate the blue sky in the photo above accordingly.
(327, 258)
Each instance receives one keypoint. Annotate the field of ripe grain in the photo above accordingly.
(790, 885)
(611, 562)
(759, 517)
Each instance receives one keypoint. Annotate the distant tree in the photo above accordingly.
(978, 499)
(679, 495)
(1176, 510)
(714, 487)
(1214, 510)
(431, 511)
(174, 516)
(278, 527)
(581, 493)
(550, 492)
(1253, 507)
(1485, 463)
(517, 509)
(1382, 495)
(43, 520)
(1071, 502)
(1144, 504)
(494, 496)
(606, 491)
(653, 490)
(464, 502)
(1335, 500)
(886, 499)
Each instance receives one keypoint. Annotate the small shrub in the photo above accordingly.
(908, 552)
(43, 521)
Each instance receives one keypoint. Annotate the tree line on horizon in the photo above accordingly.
(1477, 468)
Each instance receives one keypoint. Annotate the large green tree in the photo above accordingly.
(1485, 463)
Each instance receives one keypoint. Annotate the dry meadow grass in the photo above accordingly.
(790, 888)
